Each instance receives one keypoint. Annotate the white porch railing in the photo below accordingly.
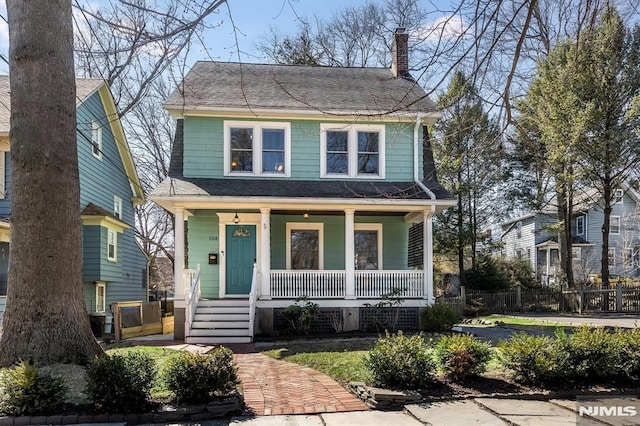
(331, 284)
(192, 297)
(253, 295)
(313, 284)
(374, 284)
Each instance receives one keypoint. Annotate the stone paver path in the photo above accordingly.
(273, 387)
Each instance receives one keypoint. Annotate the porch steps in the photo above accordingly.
(221, 321)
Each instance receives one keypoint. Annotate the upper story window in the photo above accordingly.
(519, 230)
(257, 148)
(112, 245)
(352, 150)
(117, 207)
(580, 225)
(614, 224)
(96, 140)
(618, 194)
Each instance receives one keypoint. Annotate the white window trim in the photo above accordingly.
(611, 227)
(352, 149)
(117, 207)
(257, 127)
(306, 226)
(372, 227)
(618, 196)
(612, 256)
(101, 285)
(96, 139)
(113, 258)
(581, 219)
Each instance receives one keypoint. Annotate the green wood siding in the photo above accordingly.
(204, 147)
(394, 239)
(203, 238)
(100, 181)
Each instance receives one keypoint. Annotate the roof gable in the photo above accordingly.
(257, 88)
(85, 87)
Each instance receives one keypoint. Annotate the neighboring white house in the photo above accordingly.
(531, 237)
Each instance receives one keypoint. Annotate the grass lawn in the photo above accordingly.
(340, 359)
(527, 323)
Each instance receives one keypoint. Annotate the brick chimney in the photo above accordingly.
(400, 52)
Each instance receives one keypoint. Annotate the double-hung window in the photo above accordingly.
(101, 296)
(112, 245)
(257, 148)
(96, 140)
(614, 224)
(117, 207)
(352, 150)
(580, 225)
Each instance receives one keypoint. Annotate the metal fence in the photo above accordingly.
(619, 298)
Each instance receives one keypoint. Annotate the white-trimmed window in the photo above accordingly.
(612, 256)
(352, 150)
(368, 245)
(580, 225)
(627, 257)
(101, 296)
(305, 246)
(117, 207)
(96, 140)
(614, 224)
(257, 148)
(618, 195)
(112, 245)
(519, 230)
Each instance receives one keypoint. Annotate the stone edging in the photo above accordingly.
(187, 413)
(384, 399)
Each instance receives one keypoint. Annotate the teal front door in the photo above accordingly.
(241, 254)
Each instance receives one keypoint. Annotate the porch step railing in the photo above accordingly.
(331, 284)
(192, 297)
(375, 284)
(313, 284)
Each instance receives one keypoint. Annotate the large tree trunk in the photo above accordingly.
(565, 206)
(606, 229)
(45, 319)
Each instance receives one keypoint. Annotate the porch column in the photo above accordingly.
(349, 255)
(427, 254)
(265, 253)
(548, 263)
(178, 267)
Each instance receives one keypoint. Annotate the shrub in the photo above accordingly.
(438, 318)
(593, 354)
(534, 359)
(300, 315)
(24, 390)
(461, 355)
(121, 383)
(400, 361)
(629, 358)
(485, 275)
(518, 272)
(200, 378)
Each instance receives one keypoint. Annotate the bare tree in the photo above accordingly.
(45, 319)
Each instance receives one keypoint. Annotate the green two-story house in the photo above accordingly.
(114, 266)
(292, 181)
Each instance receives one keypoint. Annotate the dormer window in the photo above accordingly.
(257, 148)
(352, 151)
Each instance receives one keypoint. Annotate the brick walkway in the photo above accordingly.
(273, 387)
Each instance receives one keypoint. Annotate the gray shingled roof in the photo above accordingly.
(84, 88)
(361, 91)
